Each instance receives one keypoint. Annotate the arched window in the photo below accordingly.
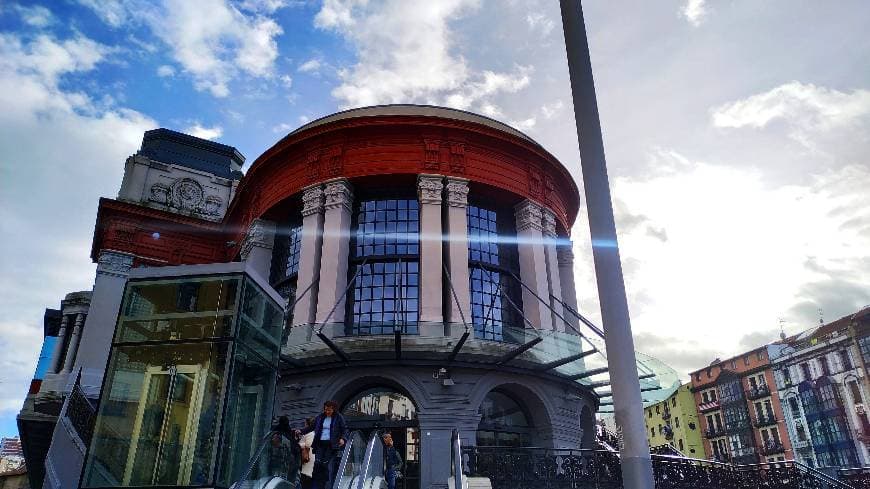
(492, 258)
(380, 404)
(385, 291)
(503, 422)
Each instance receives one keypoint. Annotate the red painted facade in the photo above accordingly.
(349, 148)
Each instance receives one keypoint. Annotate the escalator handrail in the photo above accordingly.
(370, 449)
(347, 450)
(821, 475)
(456, 452)
(256, 457)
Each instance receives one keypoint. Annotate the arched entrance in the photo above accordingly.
(504, 422)
(384, 408)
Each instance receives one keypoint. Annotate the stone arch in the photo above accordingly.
(538, 407)
(349, 382)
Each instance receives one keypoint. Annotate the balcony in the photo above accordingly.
(758, 392)
(708, 406)
(765, 420)
(714, 432)
(772, 447)
(798, 444)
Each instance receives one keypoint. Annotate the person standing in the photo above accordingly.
(285, 454)
(330, 435)
(392, 461)
(306, 443)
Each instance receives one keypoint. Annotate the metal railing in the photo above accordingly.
(81, 414)
(542, 468)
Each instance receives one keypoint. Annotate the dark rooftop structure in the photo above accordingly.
(177, 148)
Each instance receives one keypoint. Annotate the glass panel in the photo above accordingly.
(159, 418)
(189, 308)
(491, 310)
(260, 322)
(251, 393)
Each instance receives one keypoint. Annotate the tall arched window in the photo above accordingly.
(492, 257)
(385, 291)
(503, 422)
(285, 262)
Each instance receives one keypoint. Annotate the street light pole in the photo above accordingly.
(636, 463)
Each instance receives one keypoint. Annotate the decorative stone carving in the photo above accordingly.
(431, 150)
(457, 192)
(312, 201)
(529, 216)
(187, 194)
(338, 194)
(213, 205)
(160, 194)
(261, 233)
(429, 189)
(457, 157)
(549, 223)
(564, 256)
(114, 264)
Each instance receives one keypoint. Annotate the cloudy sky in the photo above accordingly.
(737, 134)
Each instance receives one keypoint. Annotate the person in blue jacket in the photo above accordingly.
(392, 461)
(330, 435)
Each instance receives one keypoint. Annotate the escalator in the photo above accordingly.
(361, 465)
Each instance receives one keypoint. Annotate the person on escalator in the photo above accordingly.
(392, 461)
(330, 435)
(306, 442)
(285, 455)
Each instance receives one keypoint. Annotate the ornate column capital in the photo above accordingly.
(564, 256)
(114, 264)
(457, 192)
(338, 194)
(312, 201)
(429, 188)
(529, 215)
(261, 234)
(549, 223)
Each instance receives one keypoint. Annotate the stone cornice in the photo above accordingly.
(261, 234)
(114, 264)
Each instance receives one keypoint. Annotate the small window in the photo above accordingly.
(805, 369)
(680, 442)
(677, 422)
(658, 409)
(674, 402)
(709, 373)
(652, 432)
(746, 360)
(844, 360)
(824, 366)
(761, 354)
(856, 392)
(733, 364)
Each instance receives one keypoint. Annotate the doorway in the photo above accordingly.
(386, 409)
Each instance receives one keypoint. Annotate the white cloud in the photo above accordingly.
(164, 71)
(59, 152)
(268, 6)
(538, 22)
(283, 128)
(287, 81)
(36, 16)
(802, 105)
(203, 132)
(213, 49)
(694, 11)
(406, 54)
(552, 110)
(697, 238)
(311, 66)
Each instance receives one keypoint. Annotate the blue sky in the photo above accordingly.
(736, 135)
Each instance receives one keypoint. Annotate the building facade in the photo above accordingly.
(421, 263)
(673, 422)
(741, 416)
(820, 378)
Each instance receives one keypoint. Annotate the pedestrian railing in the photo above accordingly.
(543, 468)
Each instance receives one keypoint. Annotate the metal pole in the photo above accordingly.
(636, 464)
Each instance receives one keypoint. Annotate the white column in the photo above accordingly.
(73, 344)
(457, 254)
(533, 263)
(257, 246)
(309, 256)
(96, 338)
(336, 245)
(554, 283)
(429, 188)
(565, 258)
(57, 351)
